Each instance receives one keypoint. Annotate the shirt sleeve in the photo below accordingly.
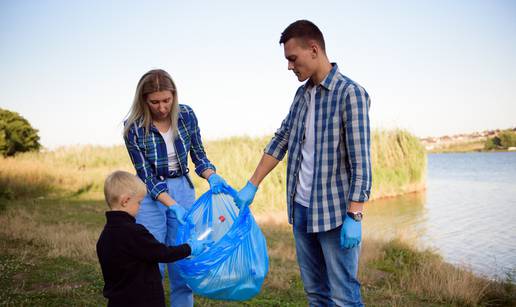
(197, 152)
(358, 139)
(278, 145)
(142, 165)
(145, 247)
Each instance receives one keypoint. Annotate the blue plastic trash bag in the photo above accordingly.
(235, 266)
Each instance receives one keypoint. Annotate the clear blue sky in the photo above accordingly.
(432, 67)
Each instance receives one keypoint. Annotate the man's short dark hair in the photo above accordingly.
(304, 30)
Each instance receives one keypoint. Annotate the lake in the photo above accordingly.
(467, 213)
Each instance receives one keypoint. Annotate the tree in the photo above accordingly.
(16, 134)
(503, 140)
(507, 138)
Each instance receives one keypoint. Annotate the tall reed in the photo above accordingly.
(398, 159)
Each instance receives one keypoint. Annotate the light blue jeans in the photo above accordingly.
(329, 273)
(163, 225)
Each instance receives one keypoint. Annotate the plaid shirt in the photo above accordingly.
(149, 152)
(342, 163)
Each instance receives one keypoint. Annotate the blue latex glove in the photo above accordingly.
(351, 233)
(179, 212)
(216, 183)
(246, 195)
(198, 246)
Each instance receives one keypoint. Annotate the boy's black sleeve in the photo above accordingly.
(146, 247)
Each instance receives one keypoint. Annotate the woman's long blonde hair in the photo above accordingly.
(153, 81)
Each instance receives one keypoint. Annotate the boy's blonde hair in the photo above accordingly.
(121, 182)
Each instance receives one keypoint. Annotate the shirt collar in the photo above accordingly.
(117, 217)
(328, 81)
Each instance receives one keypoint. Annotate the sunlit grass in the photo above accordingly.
(399, 166)
(47, 258)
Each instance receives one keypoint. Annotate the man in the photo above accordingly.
(329, 171)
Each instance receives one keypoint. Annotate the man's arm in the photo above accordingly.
(266, 165)
(358, 149)
(273, 153)
(246, 195)
(355, 206)
(358, 141)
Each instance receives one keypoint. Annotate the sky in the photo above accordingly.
(431, 67)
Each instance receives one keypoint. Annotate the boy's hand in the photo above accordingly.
(216, 183)
(179, 212)
(198, 246)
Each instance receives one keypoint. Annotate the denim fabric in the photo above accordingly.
(163, 225)
(329, 273)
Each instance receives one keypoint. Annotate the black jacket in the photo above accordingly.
(129, 256)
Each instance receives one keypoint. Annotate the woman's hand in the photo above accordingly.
(179, 212)
(217, 183)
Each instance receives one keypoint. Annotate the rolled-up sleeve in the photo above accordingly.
(143, 167)
(197, 152)
(358, 139)
(278, 145)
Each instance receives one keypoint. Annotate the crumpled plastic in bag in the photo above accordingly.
(235, 266)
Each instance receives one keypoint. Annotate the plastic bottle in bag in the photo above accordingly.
(209, 230)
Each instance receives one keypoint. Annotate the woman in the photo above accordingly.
(159, 133)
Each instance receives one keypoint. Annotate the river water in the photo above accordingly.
(467, 213)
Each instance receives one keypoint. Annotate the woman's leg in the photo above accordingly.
(180, 293)
(152, 215)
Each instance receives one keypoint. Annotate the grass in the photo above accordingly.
(51, 212)
(399, 163)
(47, 258)
(398, 159)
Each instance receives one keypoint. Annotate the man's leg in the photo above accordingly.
(181, 294)
(311, 261)
(342, 267)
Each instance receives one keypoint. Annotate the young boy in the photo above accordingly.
(128, 253)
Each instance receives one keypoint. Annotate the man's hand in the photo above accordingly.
(216, 183)
(351, 233)
(246, 195)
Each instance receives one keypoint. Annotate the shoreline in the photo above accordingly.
(58, 264)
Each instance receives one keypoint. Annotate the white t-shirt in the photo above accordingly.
(173, 162)
(305, 176)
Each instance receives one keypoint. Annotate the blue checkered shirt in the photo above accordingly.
(149, 152)
(342, 162)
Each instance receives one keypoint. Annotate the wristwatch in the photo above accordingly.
(357, 216)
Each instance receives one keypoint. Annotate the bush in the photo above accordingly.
(503, 140)
(507, 138)
(493, 143)
(16, 134)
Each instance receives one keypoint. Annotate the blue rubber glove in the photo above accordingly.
(216, 183)
(179, 212)
(198, 246)
(246, 195)
(351, 233)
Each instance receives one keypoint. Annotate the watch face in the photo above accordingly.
(356, 216)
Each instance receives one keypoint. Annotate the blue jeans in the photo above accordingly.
(329, 273)
(163, 225)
